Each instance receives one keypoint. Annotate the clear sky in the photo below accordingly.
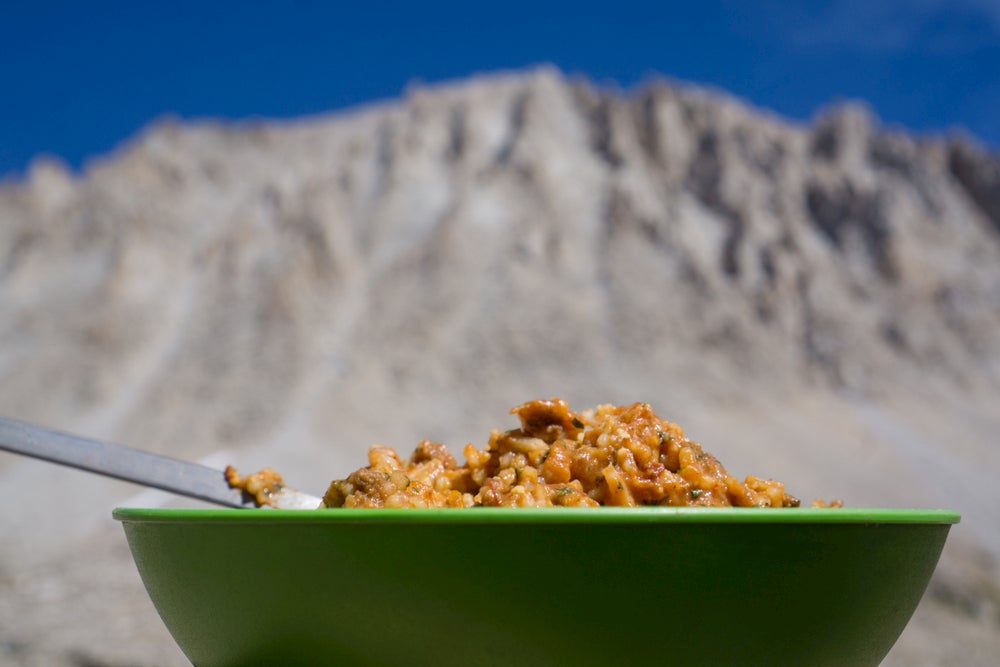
(77, 79)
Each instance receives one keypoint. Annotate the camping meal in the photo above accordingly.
(618, 456)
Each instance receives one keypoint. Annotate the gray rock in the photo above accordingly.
(819, 304)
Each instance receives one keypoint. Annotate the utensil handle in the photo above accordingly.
(124, 463)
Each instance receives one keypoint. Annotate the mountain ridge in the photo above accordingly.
(760, 218)
(821, 301)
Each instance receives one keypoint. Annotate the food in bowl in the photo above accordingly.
(623, 456)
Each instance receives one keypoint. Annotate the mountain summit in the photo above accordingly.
(820, 303)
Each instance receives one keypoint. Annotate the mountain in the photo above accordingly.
(819, 303)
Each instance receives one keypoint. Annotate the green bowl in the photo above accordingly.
(491, 586)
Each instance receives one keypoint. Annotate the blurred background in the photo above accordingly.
(276, 235)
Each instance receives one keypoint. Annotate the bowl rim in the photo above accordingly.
(544, 515)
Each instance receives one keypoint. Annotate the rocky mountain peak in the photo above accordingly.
(819, 303)
(521, 221)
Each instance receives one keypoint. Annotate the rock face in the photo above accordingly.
(823, 297)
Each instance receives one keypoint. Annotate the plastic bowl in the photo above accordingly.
(608, 586)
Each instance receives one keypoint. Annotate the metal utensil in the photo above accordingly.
(133, 465)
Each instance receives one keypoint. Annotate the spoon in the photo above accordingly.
(133, 465)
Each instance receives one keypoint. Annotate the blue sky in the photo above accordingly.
(78, 79)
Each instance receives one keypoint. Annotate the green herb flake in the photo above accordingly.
(577, 423)
(696, 493)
